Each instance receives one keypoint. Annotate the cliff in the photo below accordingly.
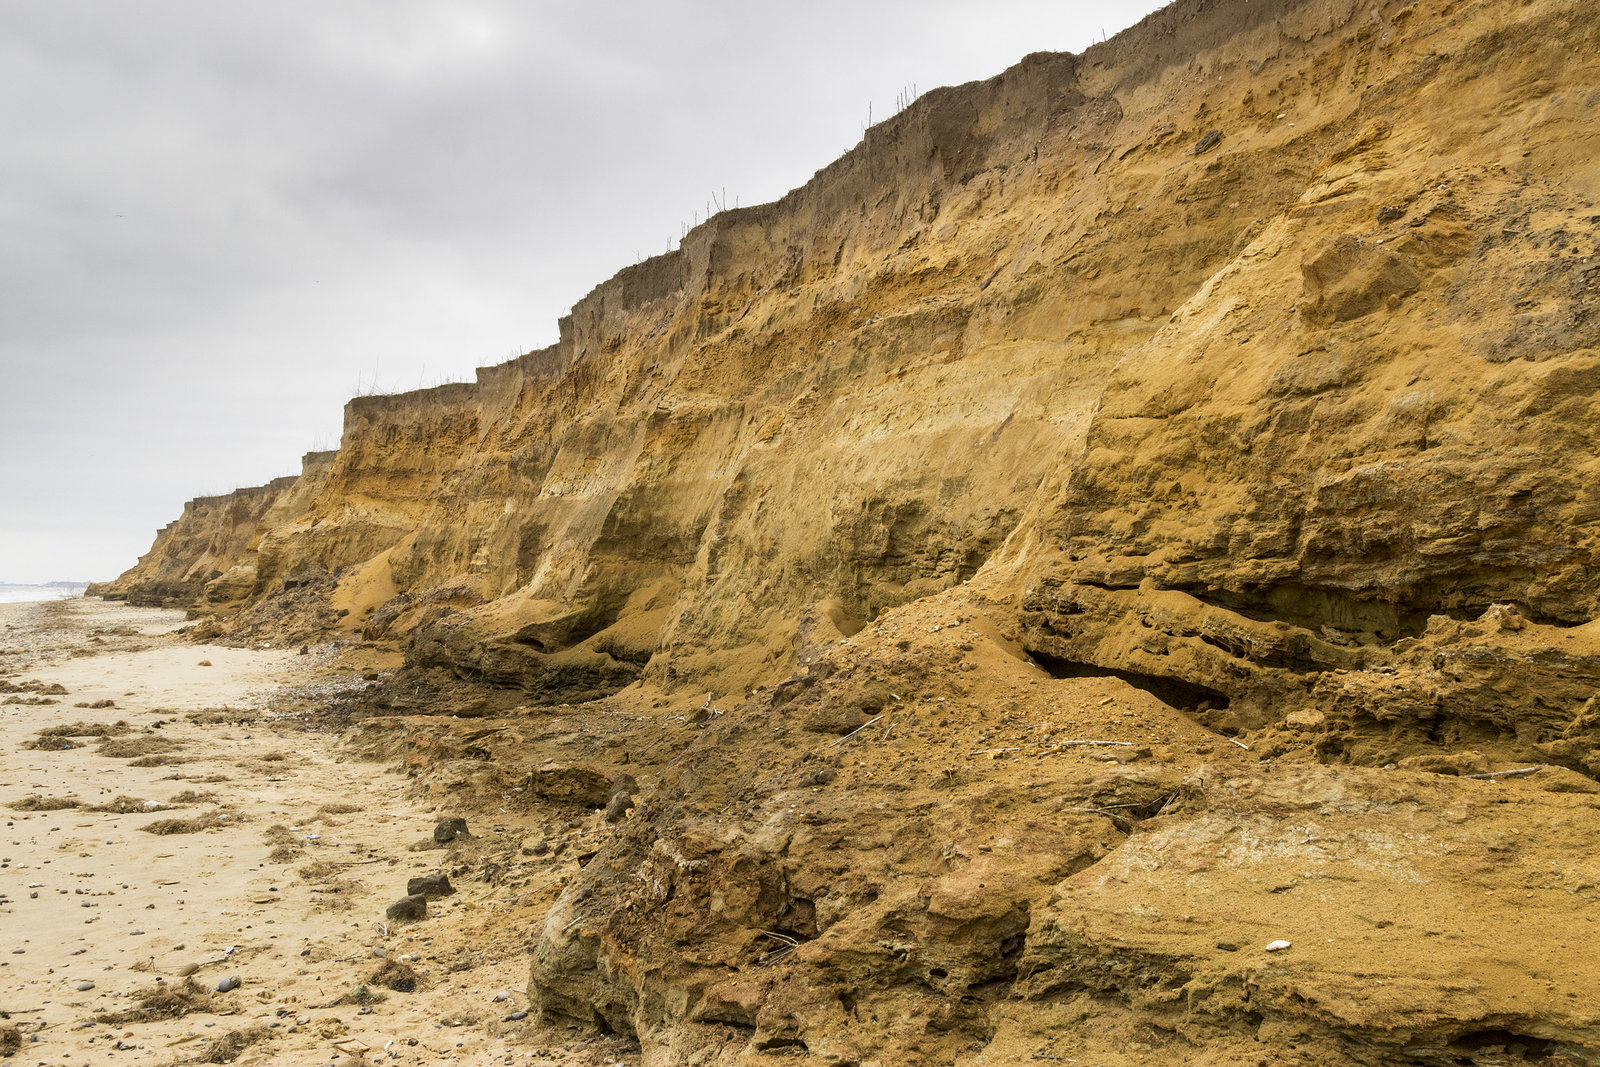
(1232, 387)
(210, 542)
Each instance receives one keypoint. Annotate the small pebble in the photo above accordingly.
(84, 987)
(1277, 946)
(516, 1016)
(504, 994)
(228, 984)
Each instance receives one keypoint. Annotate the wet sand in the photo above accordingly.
(282, 852)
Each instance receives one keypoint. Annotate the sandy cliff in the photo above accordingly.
(204, 559)
(1239, 377)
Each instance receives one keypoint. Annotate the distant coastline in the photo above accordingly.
(21, 593)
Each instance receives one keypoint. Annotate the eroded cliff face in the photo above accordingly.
(1178, 461)
(1274, 309)
(205, 559)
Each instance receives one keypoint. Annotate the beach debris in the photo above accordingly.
(228, 984)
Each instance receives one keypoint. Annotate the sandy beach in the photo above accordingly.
(182, 818)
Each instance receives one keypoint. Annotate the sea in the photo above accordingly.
(23, 594)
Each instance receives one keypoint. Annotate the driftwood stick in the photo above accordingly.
(1518, 773)
(1123, 744)
(857, 730)
(1241, 744)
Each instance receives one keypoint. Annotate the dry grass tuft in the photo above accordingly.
(224, 717)
(53, 744)
(211, 820)
(320, 871)
(400, 977)
(289, 845)
(331, 892)
(130, 747)
(160, 761)
(231, 1045)
(38, 803)
(63, 737)
(125, 805)
(338, 809)
(266, 769)
(337, 894)
(166, 1000)
(189, 796)
(87, 729)
(359, 995)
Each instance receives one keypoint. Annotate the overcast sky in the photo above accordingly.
(221, 220)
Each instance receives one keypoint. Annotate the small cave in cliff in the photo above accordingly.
(1175, 692)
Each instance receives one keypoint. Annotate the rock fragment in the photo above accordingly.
(450, 829)
(408, 908)
(430, 886)
(618, 808)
